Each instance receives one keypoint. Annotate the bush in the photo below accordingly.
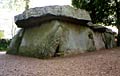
(4, 43)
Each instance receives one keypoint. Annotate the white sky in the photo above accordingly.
(39, 3)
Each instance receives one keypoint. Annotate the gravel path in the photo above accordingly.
(99, 63)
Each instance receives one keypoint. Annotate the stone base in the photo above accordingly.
(56, 38)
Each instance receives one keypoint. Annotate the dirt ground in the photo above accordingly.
(98, 63)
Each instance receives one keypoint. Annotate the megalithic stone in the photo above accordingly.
(57, 31)
(38, 15)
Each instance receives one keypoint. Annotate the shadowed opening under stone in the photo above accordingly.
(57, 52)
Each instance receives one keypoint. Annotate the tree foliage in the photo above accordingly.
(16, 5)
(102, 11)
(22, 3)
(1, 34)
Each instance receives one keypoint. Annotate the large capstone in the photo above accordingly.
(38, 15)
(58, 31)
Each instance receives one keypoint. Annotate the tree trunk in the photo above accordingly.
(118, 37)
(93, 11)
(118, 20)
(27, 4)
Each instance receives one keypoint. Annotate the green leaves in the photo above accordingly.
(100, 10)
(106, 12)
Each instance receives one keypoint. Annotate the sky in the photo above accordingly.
(38, 3)
(6, 20)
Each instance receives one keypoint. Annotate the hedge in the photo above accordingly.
(4, 43)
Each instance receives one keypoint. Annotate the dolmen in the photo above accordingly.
(58, 31)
